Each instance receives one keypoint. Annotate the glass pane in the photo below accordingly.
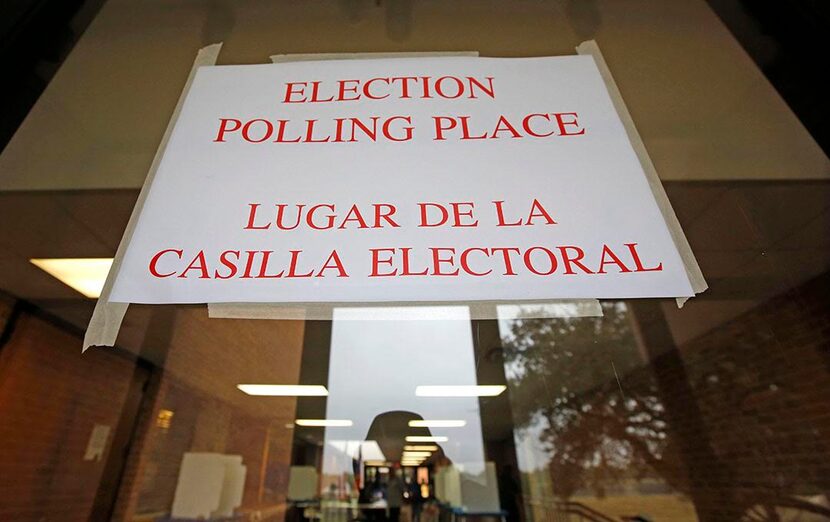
(717, 411)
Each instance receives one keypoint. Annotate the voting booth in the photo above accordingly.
(302, 483)
(210, 486)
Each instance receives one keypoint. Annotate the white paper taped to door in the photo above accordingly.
(428, 179)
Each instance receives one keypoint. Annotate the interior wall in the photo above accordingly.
(50, 401)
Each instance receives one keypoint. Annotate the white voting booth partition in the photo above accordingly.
(302, 483)
(210, 486)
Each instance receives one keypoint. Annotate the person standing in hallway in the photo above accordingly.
(394, 495)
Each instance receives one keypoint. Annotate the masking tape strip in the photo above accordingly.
(681, 243)
(107, 317)
(316, 57)
(395, 310)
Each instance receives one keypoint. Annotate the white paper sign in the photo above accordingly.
(419, 179)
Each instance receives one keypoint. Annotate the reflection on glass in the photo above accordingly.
(589, 421)
(459, 390)
(284, 390)
(396, 357)
(325, 423)
(610, 423)
(86, 275)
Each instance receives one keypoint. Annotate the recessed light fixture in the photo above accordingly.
(437, 423)
(327, 423)
(421, 438)
(284, 390)
(416, 454)
(420, 448)
(483, 390)
(164, 419)
(87, 275)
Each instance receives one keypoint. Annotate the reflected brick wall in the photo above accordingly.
(164, 454)
(200, 423)
(205, 359)
(735, 423)
(50, 398)
(762, 382)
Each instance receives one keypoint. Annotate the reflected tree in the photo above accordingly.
(566, 374)
(585, 387)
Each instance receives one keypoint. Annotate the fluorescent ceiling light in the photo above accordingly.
(437, 423)
(284, 390)
(328, 423)
(486, 390)
(419, 438)
(420, 448)
(416, 454)
(86, 275)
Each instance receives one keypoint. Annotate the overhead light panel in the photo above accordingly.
(87, 275)
(325, 423)
(416, 454)
(284, 390)
(423, 438)
(484, 390)
(409, 447)
(437, 423)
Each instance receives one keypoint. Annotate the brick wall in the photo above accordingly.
(200, 422)
(736, 420)
(165, 449)
(762, 382)
(205, 360)
(51, 396)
